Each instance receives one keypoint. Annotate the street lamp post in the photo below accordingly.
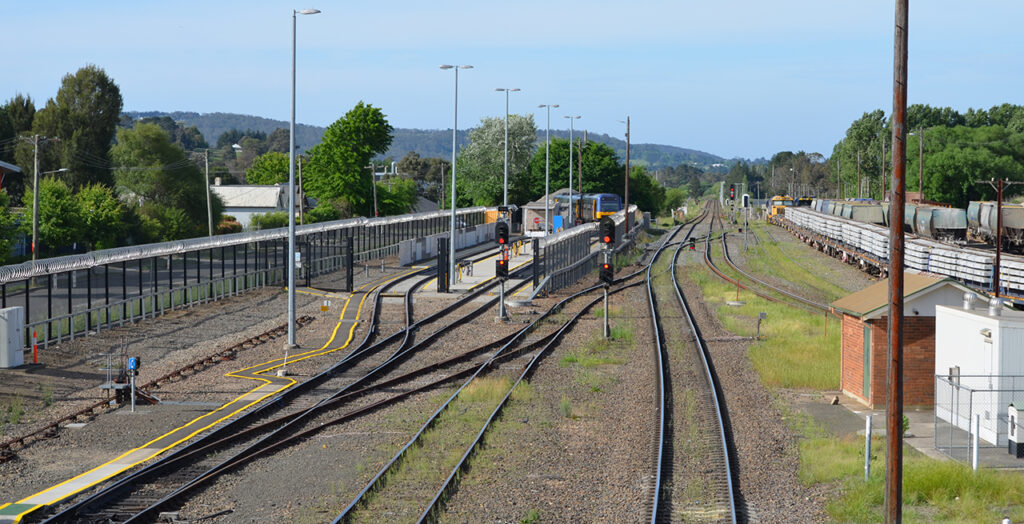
(455, 127)
(571, 118)
(291, 205)
(507, 91)
(547, 169)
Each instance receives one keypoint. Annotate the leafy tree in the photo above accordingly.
(268, 169)
(155, 171)
(235, 136)
(277, 141)
(323, 212)
(83, 116)
(644, 192)
(337, 166)
(426, 172)
(695, 187)
(60, 221)
(602, 172)
(675, 197)
(481, 163)
(189, 138)
(398, 199)
(102, 216)
(22, 111)
(8, 228)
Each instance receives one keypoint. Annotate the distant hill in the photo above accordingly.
(433, 142)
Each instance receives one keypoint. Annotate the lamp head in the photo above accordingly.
(465, 67)
(308, 11)
(446, 66)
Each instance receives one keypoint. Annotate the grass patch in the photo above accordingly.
(531, 517)
(794, 351)
(14, 410)
(565, 407)
(786, 265)
(933, 491)
(47, 391)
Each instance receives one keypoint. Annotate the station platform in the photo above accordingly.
(471, 274)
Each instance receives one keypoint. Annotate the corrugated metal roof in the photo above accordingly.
(9, 168)
(273, 197)
(876, 296)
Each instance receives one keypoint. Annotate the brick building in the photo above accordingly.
(865, 342)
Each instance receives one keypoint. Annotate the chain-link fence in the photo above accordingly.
(965, 404)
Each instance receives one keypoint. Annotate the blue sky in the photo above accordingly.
(731, 77)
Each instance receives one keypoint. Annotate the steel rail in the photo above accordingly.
(809, 302)
(712, 380)
(364, 348)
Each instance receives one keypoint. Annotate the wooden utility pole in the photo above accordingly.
(894, 404)
(442, 185)
(839, 175)
(860, 181)
(882, 198)
(920, 164)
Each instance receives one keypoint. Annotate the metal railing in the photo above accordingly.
(966, 402)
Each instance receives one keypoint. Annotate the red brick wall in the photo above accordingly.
(852, 381)
(918, 360)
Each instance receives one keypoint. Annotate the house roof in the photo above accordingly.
(252, 196)
(9, 168)
(873, 300)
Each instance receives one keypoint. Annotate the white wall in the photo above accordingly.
(959, 342)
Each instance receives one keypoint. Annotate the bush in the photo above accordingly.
(269, 220)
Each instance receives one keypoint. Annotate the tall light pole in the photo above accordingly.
(507, 91)
(455, 127)
(547, 169)
(291, 205)
(571, 118)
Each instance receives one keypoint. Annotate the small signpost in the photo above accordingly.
(133, 370)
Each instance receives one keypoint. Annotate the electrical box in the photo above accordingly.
(12, 337)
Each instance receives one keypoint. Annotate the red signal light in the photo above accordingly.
(607, 240)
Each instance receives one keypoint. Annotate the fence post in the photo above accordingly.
(867, 449)
(974, 445)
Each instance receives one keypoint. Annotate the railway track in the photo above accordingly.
(141, 495)
(694, 446)
(788, 296)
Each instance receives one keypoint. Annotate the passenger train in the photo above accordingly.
(591, 207)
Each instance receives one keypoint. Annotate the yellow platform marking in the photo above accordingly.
(159, 445)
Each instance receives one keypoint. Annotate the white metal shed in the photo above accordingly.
(981, 350)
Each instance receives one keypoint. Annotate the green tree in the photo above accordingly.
(8, 228)
(481, 163)
(60, 221)
(398, 199)
(337, 166)
(157, 172)
(269, 220)
(268, 169)
(602, 172)
(84, 117)
(675, 197)
(102, 216)
(644, 192)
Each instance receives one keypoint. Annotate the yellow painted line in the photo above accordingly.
(140, 454)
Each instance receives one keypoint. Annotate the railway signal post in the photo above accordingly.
(501, 229)
(607, 270)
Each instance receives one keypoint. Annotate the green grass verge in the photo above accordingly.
(933, 491)
(795, 351)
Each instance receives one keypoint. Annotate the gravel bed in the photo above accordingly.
(767, 454)
(164, 345)
(576, 445)
(334, 466)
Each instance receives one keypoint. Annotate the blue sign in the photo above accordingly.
(133, 363)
